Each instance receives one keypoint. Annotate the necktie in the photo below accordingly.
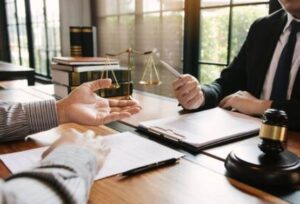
(281, 79)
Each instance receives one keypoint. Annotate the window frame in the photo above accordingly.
(192, 62)
(30, 38)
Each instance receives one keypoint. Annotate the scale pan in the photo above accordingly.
(156, 82)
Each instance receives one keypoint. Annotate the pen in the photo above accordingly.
(149, 167)
(170, 68)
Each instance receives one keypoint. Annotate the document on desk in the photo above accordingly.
(200, 130)
(128, 151)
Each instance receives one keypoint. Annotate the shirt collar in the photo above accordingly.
(290, 18)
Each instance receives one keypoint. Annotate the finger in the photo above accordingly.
(133, 111)
(121, 103)
(224, 100)
(240, 92)
(46, 152)
(195, 102)
(103, 146)
(227, 104)
(188, 77)
(135, 100)
(178, 83)
(125, 108)
(185, 91)
(116, 116)
(191, 85)
(102, 150)
(196, 94)
(249, 95)
(99, 84)
(192, 94)
(74, 133)
(89, 134)
(101, 120)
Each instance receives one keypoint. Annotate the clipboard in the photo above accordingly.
(197, 131)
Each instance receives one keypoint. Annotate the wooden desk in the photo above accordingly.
(10, 71)
(186, 182)
(181, 183)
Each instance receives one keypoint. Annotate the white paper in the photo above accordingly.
(207, 126)
(128, 151)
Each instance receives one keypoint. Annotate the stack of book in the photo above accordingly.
(70, 72)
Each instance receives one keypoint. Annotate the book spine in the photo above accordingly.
(125, 89)
(79, 78)
(88, 41)
(83, 68)
(75, 41)
(55, 66)
(70, 78)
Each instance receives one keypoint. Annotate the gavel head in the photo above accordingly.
(273, 131)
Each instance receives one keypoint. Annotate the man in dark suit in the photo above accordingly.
(263, 75)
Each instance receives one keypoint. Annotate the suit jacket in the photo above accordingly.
(248, 70)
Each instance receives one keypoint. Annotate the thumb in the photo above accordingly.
(99, 84)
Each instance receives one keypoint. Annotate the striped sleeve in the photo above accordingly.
(64, 176)
(20, 119)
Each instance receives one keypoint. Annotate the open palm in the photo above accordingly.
(83, 106)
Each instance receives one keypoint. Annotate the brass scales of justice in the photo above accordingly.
(150, 76)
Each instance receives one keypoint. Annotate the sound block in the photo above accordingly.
(250, 165)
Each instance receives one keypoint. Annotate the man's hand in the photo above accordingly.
(244, 102)
(85, 140)
(188, 92)
(85, 107)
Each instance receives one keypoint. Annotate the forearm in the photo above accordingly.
(64, 176)
(20, 119)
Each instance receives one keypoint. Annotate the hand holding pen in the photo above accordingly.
(186, 89)
(171, 69)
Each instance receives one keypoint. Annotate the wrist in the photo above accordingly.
(263, 105)
(61, 112)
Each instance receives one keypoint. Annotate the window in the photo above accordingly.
(224, 25)
(159, 25)
(34, 36)
(46, 34)
(143, 25)
(16, 26)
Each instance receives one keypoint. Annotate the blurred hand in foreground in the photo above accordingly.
(87, 140)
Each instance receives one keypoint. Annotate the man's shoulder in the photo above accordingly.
(273, 17)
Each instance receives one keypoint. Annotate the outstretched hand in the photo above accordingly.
(85, 107)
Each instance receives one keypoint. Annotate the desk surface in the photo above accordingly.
(10, 71)
(186, 182)
(8, 67)
(181, 183)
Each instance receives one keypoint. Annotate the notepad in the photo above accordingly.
(128, 151)
(200, 130)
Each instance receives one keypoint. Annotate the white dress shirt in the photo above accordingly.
(268, 84)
